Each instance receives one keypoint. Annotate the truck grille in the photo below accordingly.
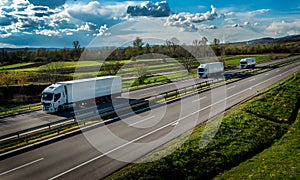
(46, 105)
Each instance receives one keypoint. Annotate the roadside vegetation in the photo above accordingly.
(246, 131)
(158, 63)
(277, 162)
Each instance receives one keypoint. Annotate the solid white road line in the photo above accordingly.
(145, 135)
(199, 99)
(169, 124)
(19, 167)
(140, 121)
(231, 87)
(252, 79)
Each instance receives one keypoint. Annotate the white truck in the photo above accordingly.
(247, 63)
(68, 94)
(210, 69)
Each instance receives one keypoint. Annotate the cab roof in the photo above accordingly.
(52, 88)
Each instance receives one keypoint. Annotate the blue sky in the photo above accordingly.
(57, 23)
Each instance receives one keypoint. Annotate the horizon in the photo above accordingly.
(56, 24)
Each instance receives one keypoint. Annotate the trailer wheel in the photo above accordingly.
(60, 109)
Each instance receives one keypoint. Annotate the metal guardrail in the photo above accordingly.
(81, 116)
(29, 107)
(149, 84)
(19, 109)
(62, 123)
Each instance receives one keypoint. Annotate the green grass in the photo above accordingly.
(277, 162)
(155, 79)
(15, 66)
(274, 105)
(16, 109)
(241, 135)
(235, 60)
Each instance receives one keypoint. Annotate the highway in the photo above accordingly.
(99, 151)
(23, 121)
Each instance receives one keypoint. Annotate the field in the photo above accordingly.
(92, 68)
(247, 130)
(136, 74)
(235, 60)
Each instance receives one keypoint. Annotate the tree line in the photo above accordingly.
(171, 48)
(41, 54)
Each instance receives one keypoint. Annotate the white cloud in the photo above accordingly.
(47, 32)
(258, 12)
(147, 8)
(88, 26)
(96, 12)
(246, 23)
(185, 20)
(103, 31)
(4, 33)
(236, 25)
(283, 28)
(210, 27)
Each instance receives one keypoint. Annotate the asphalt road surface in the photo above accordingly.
(23, 121)
(100, 151)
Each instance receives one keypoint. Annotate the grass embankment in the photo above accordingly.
(244, 132)
(277, 162)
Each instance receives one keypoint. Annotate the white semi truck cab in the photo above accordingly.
(68, 94)
(54, 98)
(247, 63)
(210, 69)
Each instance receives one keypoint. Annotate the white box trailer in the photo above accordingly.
(247, 63)
(210, 69)
(62, 95)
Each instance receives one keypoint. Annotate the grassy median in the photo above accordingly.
(245, 131)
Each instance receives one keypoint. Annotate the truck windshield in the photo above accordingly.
(47, 96)
(201, 70)
(243, 62)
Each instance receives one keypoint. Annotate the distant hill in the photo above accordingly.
(267, 40)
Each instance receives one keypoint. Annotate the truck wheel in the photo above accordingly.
(60, 109)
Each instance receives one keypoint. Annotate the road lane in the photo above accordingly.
(75, 157)
(16, 123)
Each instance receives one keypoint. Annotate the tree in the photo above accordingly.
(76, 51)
(138, 43)
(216, 42)
(7, 78)
(172, 45)
(136, 50)
(203, 43)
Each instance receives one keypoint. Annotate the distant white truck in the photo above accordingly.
(247, 63)
(69, 94)
(210, 69)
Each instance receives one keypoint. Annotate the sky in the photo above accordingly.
(57, 23)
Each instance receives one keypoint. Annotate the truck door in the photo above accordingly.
(57, 102)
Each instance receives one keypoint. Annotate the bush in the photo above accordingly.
(244, 132)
